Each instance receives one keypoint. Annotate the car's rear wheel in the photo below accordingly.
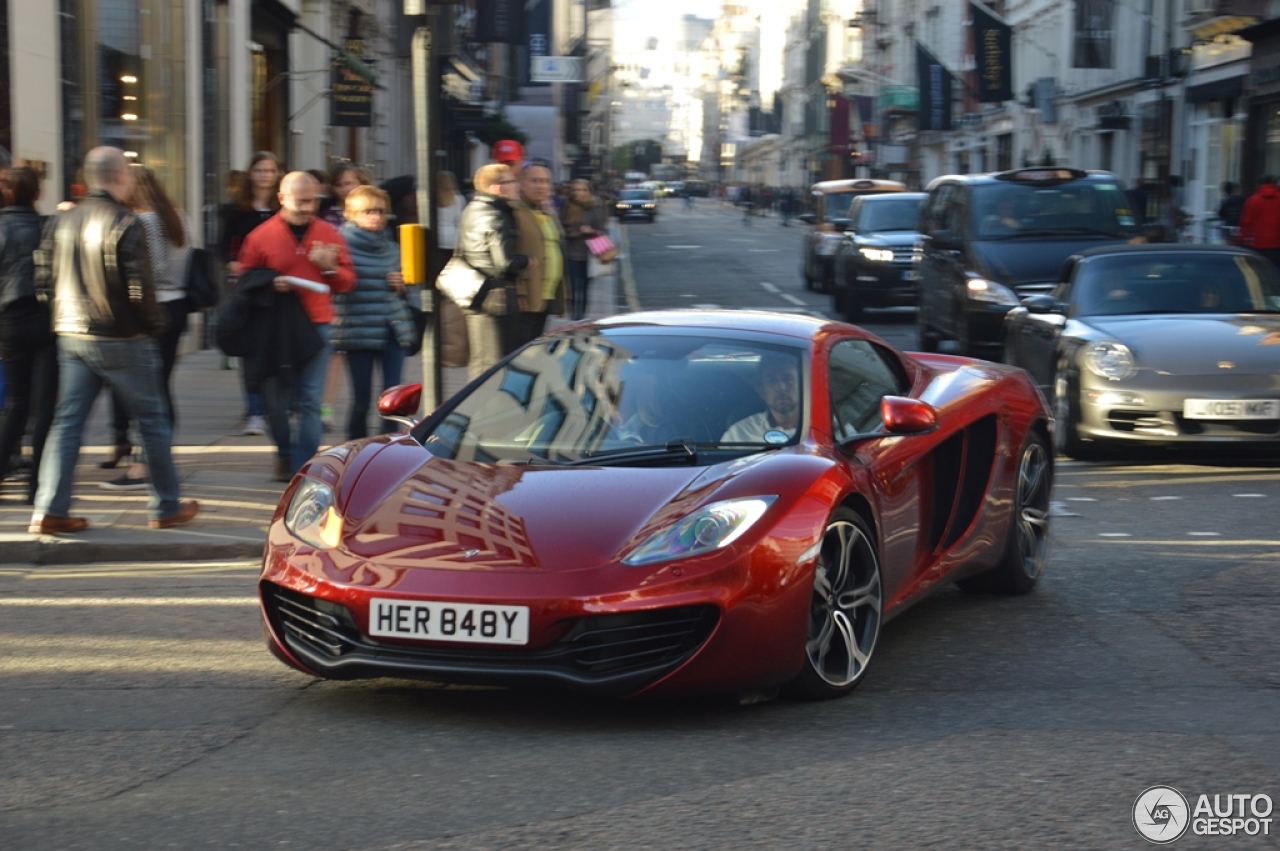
(845, 612)
(1027, 541)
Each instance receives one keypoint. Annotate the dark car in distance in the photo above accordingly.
(636, 204)
(875, 262)
(988, 240)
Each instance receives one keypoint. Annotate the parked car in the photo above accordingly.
(987, 240)
(1164, 344)
(875, 263)
(636, 204)
(615, 507)
(831, 200)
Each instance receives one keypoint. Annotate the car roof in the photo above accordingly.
(799, 326)
(1163, 248)
(893, 196)
(1063, 175)
(828, 187)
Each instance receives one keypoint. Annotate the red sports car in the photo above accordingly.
(658, 503)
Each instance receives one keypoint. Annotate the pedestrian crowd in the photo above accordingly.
(96, 297)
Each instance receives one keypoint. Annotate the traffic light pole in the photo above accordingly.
(422, 91)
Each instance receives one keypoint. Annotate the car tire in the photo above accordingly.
(845, 612)
(1066, 435)
(1026, 542)
(929, 338)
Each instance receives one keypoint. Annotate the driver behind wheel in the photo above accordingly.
(778, 383)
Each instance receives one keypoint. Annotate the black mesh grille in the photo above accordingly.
(615, 652)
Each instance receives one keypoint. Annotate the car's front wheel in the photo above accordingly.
(845, 611)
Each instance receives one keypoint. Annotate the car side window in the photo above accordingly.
(860, 375)
(931, 220)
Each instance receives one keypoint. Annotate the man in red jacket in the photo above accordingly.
(1260, 220)
(310, 260)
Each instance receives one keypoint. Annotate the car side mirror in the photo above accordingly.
(808, 218)
(902, 415)
(841, 225)
(401, 403)
(1042, 304)
(946, 239)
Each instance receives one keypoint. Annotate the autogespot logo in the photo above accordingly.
(1160, 815)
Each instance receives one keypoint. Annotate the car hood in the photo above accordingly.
(891, 238)
(446, 514)
(1019, 262)
(1193, 345)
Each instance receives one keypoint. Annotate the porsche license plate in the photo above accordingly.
(433, 621)
(1231, 409)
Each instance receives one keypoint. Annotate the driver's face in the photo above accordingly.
(780, 389)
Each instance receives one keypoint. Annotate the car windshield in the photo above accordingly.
(889, 214)
(1010, 209)
(635, 195)
(1160, 282)
(624, 397)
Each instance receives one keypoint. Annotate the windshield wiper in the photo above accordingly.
(676, 450)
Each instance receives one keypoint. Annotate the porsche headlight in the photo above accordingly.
(313, 515)
(1109, 359)
(980, 289)
(709, 528)
(877, 255)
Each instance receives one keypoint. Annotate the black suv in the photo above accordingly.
(988, 240)
(874, 264)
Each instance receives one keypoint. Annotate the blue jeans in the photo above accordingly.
(360, 368)
(131, 368)
(300, 395)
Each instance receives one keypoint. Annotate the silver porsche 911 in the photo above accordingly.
(1159, 344)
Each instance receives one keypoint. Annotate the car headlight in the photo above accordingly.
(877, 255)
(828, 246)
(980, 289)
(313, 515)
(1109, 359)
(709, 528)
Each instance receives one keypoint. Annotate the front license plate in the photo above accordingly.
(1231, 409)
(911, 275)
(432, 621)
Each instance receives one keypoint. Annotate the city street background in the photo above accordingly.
(140, 709)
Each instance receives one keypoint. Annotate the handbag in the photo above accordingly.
(462, 283)
(603, 248)
(201, 282)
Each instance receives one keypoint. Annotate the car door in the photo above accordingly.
(1039, 333)
(942, 266)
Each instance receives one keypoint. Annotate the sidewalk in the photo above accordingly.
(230, 475)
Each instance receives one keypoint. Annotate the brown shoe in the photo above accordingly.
(284, 472)
(187, 509)
(48, 524)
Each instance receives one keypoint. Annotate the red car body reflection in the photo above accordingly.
(907, 472)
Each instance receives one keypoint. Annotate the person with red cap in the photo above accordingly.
(508, 152)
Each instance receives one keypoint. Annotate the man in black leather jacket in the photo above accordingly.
(94, 258)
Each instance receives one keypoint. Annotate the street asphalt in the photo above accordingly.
(228, 473)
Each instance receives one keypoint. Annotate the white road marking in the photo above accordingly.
(1114, 535)
(1205, 534)
(1249, 495)
(1059, 509)
(796, 300)
(683, 247)
(768, 287)
(1164, 498)
(1081, 499)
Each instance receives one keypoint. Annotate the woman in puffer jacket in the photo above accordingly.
(371, 322)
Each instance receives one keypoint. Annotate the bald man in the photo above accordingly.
(106, 319)
(297, 245)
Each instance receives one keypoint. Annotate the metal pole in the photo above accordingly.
(422, 123)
